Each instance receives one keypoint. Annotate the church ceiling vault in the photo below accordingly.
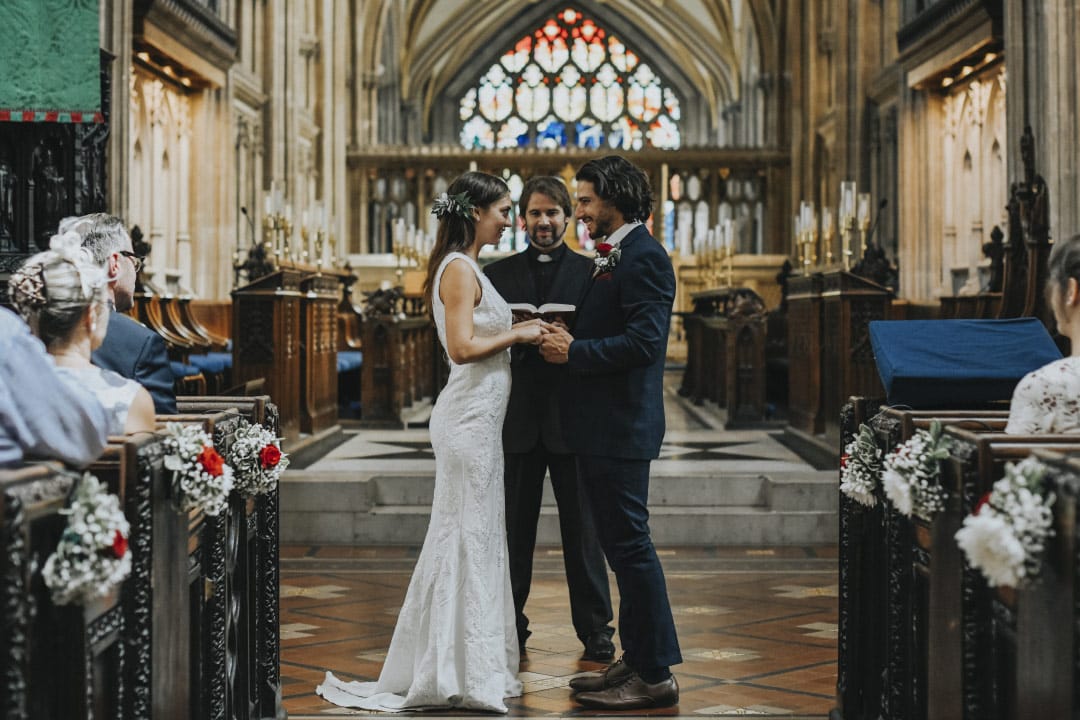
(700, 41)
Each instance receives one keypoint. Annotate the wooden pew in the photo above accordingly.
(164, 605)
(726, 353)
(247, 583)
(55, 661)
(873, 676)
(1039, 624)
(860, 626)
(954, 626)
(402, 364)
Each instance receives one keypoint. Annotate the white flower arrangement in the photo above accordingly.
(1005, 536)
(911, 473)
(860, 467)
(256, 458)
(92, 556)
(201, 477)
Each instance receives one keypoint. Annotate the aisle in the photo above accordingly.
(757, 628)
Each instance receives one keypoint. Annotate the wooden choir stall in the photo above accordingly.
(829, 347)
(725, 361)
(285, 329)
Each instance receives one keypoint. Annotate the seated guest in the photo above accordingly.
(1047, 400)
(130, 348)
(40, 416)
(61, 294)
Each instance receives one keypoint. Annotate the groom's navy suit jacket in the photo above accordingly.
(613, 396)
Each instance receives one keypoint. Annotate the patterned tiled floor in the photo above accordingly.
(757, 628)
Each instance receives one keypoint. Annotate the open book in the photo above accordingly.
(549, 312)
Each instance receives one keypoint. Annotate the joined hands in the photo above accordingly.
(553, 338)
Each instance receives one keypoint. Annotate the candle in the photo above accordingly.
(729, 235)
(863, 213)
(268, 204)
(795, 237)
(847, 201)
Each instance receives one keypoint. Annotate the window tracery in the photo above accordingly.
(570, 83)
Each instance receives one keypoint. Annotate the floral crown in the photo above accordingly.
(459, 205)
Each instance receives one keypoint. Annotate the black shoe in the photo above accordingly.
(633, 693)
(598, 647)
(615, 674)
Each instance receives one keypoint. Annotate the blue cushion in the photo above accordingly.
(957, 363)
(225, 357)
(349, 360)
(182, 370)
(208, 364)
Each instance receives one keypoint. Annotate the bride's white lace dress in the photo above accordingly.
(455, 644)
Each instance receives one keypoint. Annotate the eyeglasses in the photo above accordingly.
(136, 260)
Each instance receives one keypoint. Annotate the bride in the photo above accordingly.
(455, 644)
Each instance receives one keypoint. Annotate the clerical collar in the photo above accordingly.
(541, 257)
(617, 237)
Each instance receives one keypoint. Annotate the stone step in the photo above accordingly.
(670, 526)
(746, 490)
(376, 508)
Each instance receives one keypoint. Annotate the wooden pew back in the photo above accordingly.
(56, 661)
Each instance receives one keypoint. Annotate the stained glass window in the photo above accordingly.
(570, 83)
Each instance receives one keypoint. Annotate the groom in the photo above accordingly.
(613, 420)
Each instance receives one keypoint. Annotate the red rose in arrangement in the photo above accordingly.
(604, 248)
(211, 461)
(269, 457)
(984, 500)
(119, 545)
(844, 460)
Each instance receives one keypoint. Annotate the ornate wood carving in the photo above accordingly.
(16, 611)
(49, 171)
(1027, 247)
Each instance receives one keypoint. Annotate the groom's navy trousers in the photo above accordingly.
(618, 490)
(613, 420)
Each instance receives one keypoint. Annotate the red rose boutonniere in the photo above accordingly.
(607, 257)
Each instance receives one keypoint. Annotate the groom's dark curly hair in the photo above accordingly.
(621, 183)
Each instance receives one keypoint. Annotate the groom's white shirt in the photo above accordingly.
(617, 237)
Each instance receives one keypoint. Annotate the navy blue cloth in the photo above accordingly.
(957, 363)
(617, 491)
(613, 419)
(615, 388)
(138, 353)
(349, 360)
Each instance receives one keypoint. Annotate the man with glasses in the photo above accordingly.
(130, 348)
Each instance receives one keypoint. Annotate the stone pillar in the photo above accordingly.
(1042, 50)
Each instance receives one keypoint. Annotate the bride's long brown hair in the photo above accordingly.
(457, 232)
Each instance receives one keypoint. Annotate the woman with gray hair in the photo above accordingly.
(61, 294)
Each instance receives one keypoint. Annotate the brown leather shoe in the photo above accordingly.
(632, 693)
(615, 674)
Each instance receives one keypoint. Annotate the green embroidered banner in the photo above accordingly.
(50, 68)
